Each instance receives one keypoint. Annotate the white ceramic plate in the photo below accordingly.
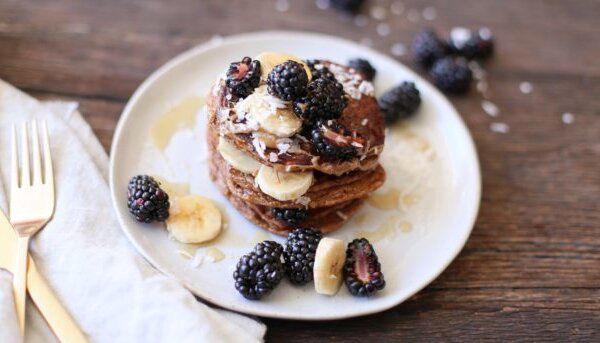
(440, 186)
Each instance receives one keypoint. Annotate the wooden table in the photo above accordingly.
(531, 269)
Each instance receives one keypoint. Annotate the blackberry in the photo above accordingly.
(243, 77)
(451, 76)
(400, 102)
(350, 6)
(291, 216)
(299, 255)
(259, 272)
(325, 99)
(146, 200)
(270, 250)
(362, 270)
(428, 48)
(287, 81)
(472, 45)
(335, 141)
(363, 67)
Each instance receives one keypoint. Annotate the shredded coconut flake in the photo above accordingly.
(273, 157)
(341, 215)
(303, 200)
(499, 127)
(567, 118)
(490, 108)
(364, 122)
(526, 87)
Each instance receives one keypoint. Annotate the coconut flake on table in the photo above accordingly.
(490, 108)
(567, 118)
(498, 127)
(525, 87)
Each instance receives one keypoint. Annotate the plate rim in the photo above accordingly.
(271, 34)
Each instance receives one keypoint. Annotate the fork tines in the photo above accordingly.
(25, 178)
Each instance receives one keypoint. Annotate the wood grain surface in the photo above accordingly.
(531, 269)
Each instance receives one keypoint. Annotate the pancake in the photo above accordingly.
(361, 115)
(324, 219)
(326, 191)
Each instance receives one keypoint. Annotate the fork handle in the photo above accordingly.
(20, 280)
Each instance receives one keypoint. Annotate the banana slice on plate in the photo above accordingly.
(329, 263)
(281, 185)
(268, 61)
(237, 158)
(194, 219)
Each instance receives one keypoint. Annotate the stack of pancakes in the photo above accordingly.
(339, 188)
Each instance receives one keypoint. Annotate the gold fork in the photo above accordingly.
(31, 202)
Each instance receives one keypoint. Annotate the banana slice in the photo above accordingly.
(329, 262)
(283, 123)
(237, 158)
(281, 185)
(194, 219)
(268, 61)
(272, 114)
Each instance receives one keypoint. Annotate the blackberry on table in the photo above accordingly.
(362, 270)
(350, 6)
(472, 45)
(451, 76)
(428, 48)
(146, 200)
(243, 77)
(325, 99)
(400, 102)
(335, 141)
(364, 67)
(299, 255)
(287, 81)
(291, 216)
(259, 272)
